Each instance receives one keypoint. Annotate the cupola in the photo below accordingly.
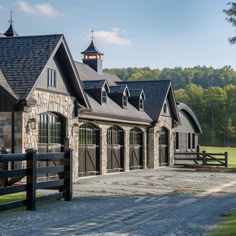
(93, 57)
(11, 31)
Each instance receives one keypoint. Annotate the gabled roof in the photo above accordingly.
(96, 84)
(111, 111)
(86, 73)
(137, 93)
(119, 89)
(188, 111)
(156, 92)
(22, 59)
(4, 84)
(11, 31)
(92, 49)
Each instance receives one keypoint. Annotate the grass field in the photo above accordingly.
(12, 197)
(227, 227)
(231, 153)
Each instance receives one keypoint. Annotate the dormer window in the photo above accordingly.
(165, 108)
(124, 101)
(141, 104)
(104, 97)
(51, 78)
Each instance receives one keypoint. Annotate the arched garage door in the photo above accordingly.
(164, 147)
(88, 150)
(136, 149)
(115, 149)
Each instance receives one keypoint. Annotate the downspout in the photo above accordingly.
(13, 132)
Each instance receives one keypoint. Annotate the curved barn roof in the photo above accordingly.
(188, 111)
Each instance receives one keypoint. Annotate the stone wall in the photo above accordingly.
(5, 130)
(153, 142)
(56, 103)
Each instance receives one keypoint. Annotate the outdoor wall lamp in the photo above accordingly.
(75, 128)
(32, 123)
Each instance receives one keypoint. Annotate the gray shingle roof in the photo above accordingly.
(113, 110)
(136, 93)
(155, 91)
(119, 89)
(5, 85)
(86, 73)
(94, 84)
(23, 58)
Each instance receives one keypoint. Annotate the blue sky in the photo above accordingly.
(132, 33)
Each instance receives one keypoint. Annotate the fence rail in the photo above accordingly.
(204, 158)
(63, 183)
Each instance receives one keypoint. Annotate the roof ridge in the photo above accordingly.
(32, 36)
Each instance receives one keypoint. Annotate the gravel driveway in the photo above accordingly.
(166, 201)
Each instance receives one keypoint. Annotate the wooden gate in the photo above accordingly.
(89, 159)
(163, 147)
(115, 150)
(136, 149)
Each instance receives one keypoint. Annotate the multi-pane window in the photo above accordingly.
(114, 135)
(189, 141)
(87, 134)
(104, 96)
(141, 104)
(51, 78)
(50, 129)
(176, 140)
(124, 101)
(193, 141)
(135, 137)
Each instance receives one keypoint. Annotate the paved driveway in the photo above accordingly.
(166, 201)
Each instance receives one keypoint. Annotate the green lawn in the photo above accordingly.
(227, 227)
(231, 153)
(12, 197)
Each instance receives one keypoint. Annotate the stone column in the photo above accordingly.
(103, 150)
(151, 146)
(126, 150)
(144, 154)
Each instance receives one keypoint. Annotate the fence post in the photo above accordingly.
(31, 180)
(198, 150)
(204, 158)
(226, 159)
(68, 169)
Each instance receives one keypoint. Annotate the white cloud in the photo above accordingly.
(42, 9)
(2, 8)
(112, 37)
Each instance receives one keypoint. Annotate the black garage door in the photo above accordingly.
(136, 149)
(115, 150)
(164, 147)
(88, 150)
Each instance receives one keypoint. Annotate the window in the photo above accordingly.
(165, 108)
(50, 127)
(104, 96)
(141, 104)
(124, 101)
(135, 137)
(193, 141)
(176, 140)
(189, 141)
(51, 78)
(87, 134)
(114, 136)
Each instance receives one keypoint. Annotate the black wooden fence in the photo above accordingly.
(63, 183)
(204, 158)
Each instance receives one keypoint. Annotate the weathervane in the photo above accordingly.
(92, 37)
(11, 21)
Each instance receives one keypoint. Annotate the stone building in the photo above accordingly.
(49, 102)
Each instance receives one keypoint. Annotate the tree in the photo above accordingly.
(231, 18)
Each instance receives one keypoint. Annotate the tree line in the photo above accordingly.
(209, 92)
